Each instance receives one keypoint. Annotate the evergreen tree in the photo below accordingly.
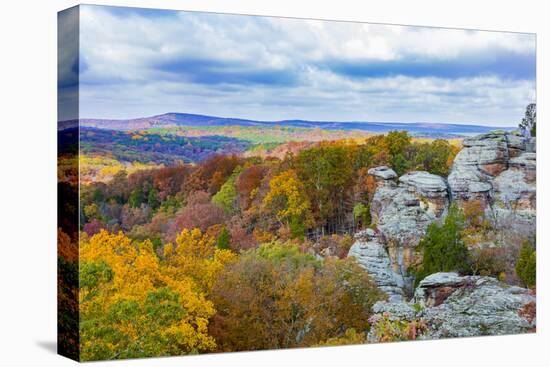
(444, 249)
(224, 239)
(526, 266)
(529, 122)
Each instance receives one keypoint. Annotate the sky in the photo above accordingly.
(139, 62)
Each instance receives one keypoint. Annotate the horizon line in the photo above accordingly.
(298, 119)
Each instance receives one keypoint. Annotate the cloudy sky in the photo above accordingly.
(137, 62)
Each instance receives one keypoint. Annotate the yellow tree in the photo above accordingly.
(195, 256)
(133, 306)
(287, 200)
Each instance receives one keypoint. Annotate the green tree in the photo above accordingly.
(436, 157)
(361, 212)
(297, 228)
(327, 174)
(529, 121)
(443, 247)
(92, 275)
(136, 198)
(526, 266)
(224, 239)
(399, 144)
(153, 198)
(225, 198)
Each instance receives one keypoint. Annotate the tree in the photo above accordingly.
(153, 198)
(443, 247)
(286, 199)
(224, 239)
(198, 213)
(436, 157)
(529, 121)
(131, 305)
(361, 213)
(326, 172)
(226, 197)
(526, 266)
(195, 256)
(136, 198)
(398, 143)
(277, 297)
(169, 180)
(247, 182)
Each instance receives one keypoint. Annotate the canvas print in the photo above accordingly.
(238, 183)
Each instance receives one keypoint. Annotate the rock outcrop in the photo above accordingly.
(462, 306)
(371, 254)
(402, 209)
(498, 169)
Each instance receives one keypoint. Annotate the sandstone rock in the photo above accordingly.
(498, 169)
(471, 305)
(463, 306)
(515, 198)
(373, 257)
(527, 163)
(403, 211)
(382, 172)
(426, 183)
(431, 190)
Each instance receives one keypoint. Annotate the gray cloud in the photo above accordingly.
(143, 62)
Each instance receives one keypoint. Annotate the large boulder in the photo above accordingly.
(371, 254)
(463, 306)
(403, 210)
(382, 173)
(482, 158)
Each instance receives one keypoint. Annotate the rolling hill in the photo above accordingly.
(185, 119)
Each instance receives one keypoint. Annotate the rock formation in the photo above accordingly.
(497, 169)
(455, 306)
(372, 255)
(403, 209)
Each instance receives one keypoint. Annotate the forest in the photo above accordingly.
(243, 252)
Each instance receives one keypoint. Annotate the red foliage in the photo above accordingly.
(249, 179)
(212, 173)
(198, 213)
(94, 227)
(169, 180)
(529, 311)
(240, 238)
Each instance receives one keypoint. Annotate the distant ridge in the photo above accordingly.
(185, 119)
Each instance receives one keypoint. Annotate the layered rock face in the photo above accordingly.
(371, 254)
(402, 210)
(455, 306)
(498, 169)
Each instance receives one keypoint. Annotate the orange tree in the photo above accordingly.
(277, 297)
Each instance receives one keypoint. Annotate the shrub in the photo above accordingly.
(386, 329)
(526, 266)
